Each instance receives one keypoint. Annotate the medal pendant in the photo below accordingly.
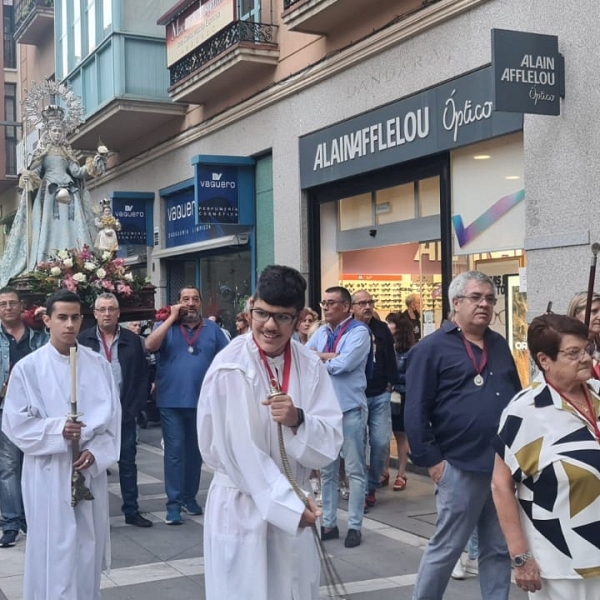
(478, 381)
(191, 351)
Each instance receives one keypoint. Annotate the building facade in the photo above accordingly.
(361, 142)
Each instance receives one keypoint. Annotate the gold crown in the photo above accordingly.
(105, 202)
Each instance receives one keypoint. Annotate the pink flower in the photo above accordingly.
(69, 283)
(107, 285)
(123, 288)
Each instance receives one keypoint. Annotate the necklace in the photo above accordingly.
(587, 412)
(191, 340)
(479, 367)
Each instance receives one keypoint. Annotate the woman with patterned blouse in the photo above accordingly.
(548, 452)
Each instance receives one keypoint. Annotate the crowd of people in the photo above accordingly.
(291, 400)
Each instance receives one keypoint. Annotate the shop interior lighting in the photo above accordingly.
(512, 177)
(482, 156)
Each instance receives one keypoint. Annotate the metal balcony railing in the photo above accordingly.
(234, 33)
(288, 3)
(24, 8)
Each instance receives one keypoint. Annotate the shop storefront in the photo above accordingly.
(208, 229)
(406, 196)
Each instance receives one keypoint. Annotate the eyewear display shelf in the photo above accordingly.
(390, 291)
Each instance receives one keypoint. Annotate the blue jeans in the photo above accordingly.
(353, 450)
(128, 469)
(379, 423)
(11, 501)
(183, 462)
(464, 501)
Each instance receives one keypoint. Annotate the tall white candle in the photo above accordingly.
(73, 365)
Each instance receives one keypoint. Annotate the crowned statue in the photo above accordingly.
(55, 209)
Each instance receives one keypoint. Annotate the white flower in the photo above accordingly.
(79, 277)
(68, 262)
(129, 276)
(55, 271)
(62, 254)
(101, 273)
(89, 266)
(106, 255)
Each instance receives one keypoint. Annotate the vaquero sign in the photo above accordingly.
(528, 72)
(454, 114)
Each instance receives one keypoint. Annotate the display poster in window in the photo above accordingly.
(516, 326)
(132, 216)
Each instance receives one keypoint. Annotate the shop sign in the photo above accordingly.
(132, 213)
(196, 25)
(451, 115)
(217, 193)
(528, 72)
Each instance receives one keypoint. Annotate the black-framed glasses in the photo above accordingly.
(106, 309)
(262, 316)
(330, 303)
(364, 303)
(477, 298)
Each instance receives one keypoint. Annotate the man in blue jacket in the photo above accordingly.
(16, 341)
(124, 351)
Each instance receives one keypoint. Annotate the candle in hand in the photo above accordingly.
(73, 365)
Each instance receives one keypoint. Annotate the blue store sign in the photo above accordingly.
(134, 212)
(217, 187)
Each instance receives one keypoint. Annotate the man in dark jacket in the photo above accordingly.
(384, 374)
(124, 351)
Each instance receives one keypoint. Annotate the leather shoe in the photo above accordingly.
(138, 520)
(353, 538)
(332, 534)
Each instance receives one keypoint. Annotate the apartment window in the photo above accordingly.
(249, 10)
(106, 16)
(10, 131)
(10, 48)
(77, 50)
(90, 19)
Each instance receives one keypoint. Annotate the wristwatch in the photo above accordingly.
(300, 418)
(520, 559)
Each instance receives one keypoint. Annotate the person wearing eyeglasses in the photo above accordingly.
(124, 351)
(185, 344)
(459, 379)
(344, 346)
(16, 341)
(379, 386)
(546, 482)
(258, 537)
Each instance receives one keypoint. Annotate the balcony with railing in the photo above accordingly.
(324, 16)
(34, 19)
(241, 52)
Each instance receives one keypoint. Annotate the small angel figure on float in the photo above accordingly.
(108, 225)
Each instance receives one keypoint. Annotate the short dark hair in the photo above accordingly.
(61, 296)
(281, 286)
(342, 291)
(546, 332)
(189, 287)
(8, 289)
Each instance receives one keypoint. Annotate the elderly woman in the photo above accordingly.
(548, 451)
(577, 309)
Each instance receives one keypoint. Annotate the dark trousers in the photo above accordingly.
(128, 469)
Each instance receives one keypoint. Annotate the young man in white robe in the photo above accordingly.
(66, 545)
(258, 535)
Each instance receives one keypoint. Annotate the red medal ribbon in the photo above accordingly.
(107, 347)
(190, 340)
(287, 367)
(333, 347)
(592, 421)
(478, 367)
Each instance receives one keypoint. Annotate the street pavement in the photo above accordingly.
(166, 561)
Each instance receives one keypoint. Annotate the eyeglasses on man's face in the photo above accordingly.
(9, 304)
(477, 298)
(262, 316)
(106, 310)
(364, 303)
(575, 353)
(330, 303)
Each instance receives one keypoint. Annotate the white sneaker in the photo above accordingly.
(459, 570)
(471, 566)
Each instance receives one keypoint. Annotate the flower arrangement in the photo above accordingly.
(87, 274)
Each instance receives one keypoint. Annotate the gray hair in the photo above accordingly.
(410, 299)
(106, 296)
(458, 285)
